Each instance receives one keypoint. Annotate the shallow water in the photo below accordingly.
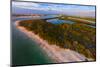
(26, 51)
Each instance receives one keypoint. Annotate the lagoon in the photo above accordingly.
(58, 21)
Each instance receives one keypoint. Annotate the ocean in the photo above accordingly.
(26, 51)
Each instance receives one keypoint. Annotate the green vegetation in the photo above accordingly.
(84, 18)
(78, 37)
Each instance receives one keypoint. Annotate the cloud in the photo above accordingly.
(38, 6)
(25, 5)
(63, 8)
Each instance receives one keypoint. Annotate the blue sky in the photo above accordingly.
(30, 5)
(64, 8)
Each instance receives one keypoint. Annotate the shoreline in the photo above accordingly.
(56, 53)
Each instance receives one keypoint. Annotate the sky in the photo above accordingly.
(60, 8)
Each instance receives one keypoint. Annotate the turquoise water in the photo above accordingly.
(26, 51)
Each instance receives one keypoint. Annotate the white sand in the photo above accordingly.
(54, 52)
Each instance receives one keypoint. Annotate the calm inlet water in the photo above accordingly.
(58, 21)
(26, 51)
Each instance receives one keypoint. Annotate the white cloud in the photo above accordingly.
(25, 5)
(54, 7)
(37, 6)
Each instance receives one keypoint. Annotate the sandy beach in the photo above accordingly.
(54, 52)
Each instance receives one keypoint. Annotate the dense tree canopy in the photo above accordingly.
(77, 36)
